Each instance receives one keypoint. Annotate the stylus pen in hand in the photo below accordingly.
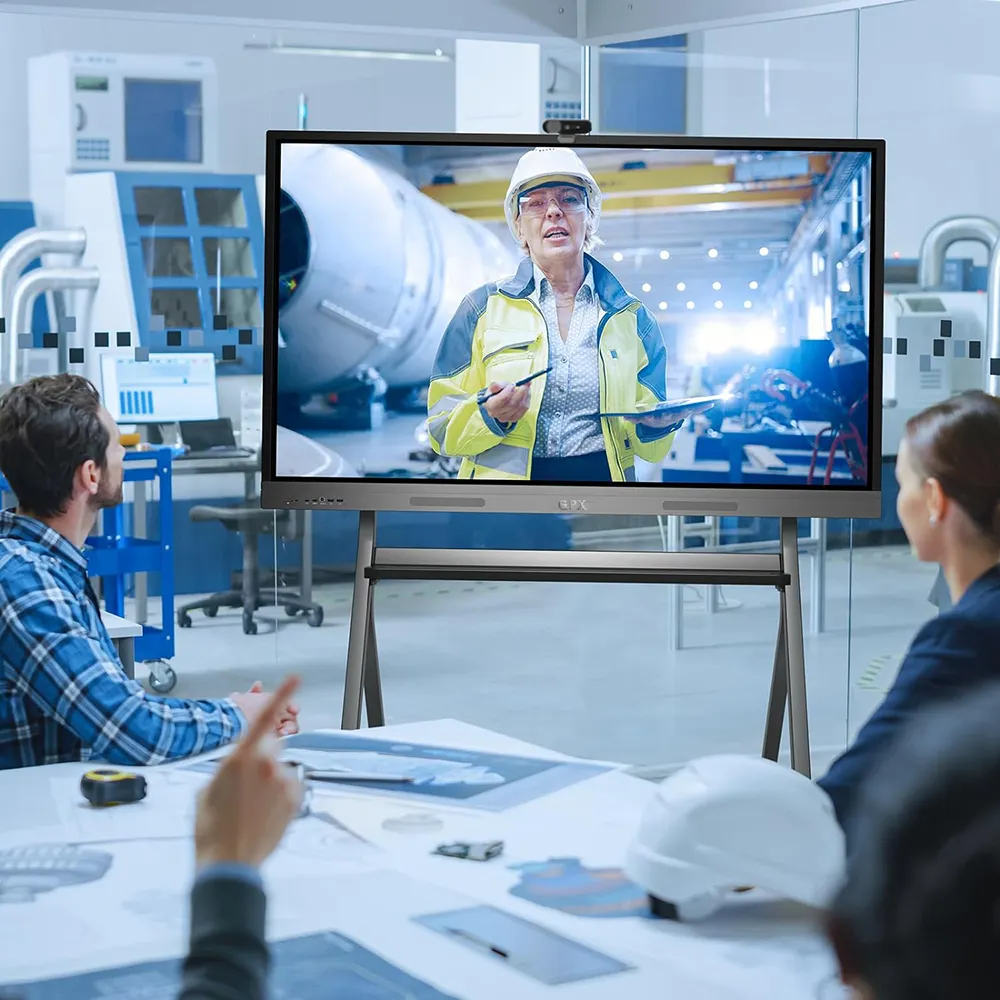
(520, 382)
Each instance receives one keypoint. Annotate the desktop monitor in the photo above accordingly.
(609, 324)
(166, 389)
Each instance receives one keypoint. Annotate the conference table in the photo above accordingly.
(93, 902)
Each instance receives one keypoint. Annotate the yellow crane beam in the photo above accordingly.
(785, 197)
(684, 186)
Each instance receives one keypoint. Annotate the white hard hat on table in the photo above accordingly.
(546, 165)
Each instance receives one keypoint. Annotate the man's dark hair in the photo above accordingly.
(49, 427)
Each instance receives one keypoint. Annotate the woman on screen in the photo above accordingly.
(948, 469)
(565, 315)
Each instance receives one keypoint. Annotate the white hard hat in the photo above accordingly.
(726, 822)
(547, 164)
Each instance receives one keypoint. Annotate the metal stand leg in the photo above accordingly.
(675, 629)
(306, 568)
(126, 653)
(817, 578)
(778, 697)
(798, 715)
(712, 591)
(374, 708)
(361, 629)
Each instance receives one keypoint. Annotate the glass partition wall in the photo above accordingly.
(648, 675)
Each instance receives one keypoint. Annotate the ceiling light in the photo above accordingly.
(663, 307)
(718, 303)
(681, 286)
(664, 255)
(713, 252)
(845, 286)
(618, 256)
(748, 304)
(280, 48)
(763, 251)
(754, 285)
(716, 285)
(690, 305)
(647, 287)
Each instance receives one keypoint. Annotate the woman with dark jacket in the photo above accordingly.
(948, 470)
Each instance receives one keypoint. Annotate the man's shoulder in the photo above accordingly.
(24, 567)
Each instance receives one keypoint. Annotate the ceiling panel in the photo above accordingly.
(529, 20)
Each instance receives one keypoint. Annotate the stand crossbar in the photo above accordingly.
(363, 685)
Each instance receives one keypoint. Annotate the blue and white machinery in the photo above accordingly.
(140, 234)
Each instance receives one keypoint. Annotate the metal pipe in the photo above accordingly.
(15, 256)
(930, 273)
(993, 324)
(27, 290)
(585, 77)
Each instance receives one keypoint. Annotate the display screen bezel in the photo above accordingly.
(735, 499)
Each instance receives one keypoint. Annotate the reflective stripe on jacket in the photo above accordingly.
(498, 334)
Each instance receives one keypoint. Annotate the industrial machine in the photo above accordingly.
(725, 823)
(934, 348)
(113, 142)
(112, 112)
(371, 270)
(936, 342)
(144, 244)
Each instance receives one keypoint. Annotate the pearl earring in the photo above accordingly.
(933, 519)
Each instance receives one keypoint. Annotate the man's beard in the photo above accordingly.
(107, 496)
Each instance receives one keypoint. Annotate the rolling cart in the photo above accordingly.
(113, 555)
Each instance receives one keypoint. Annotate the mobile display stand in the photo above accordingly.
(363, 684)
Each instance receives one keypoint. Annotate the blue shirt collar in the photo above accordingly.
(27, 529)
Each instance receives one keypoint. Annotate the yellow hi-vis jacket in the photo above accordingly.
(498, 334)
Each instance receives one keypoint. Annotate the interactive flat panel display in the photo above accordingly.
(634, 324)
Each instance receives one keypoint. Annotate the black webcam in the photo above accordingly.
(566, 126)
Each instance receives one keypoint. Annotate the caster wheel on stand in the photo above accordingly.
(249, 625)
(210, 612)
(315, 618)
(183, 619)
(162, 677)
(291, 612)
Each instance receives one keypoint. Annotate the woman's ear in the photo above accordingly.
(937, 502)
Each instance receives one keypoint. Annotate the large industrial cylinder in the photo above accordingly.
(371, 270)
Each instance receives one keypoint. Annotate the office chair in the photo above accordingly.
(250, 522)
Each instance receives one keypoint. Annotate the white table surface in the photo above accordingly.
(756, 948)
(120, 628)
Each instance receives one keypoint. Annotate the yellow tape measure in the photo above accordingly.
(108, 787)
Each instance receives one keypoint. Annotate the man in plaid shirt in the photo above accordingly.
(64, 695)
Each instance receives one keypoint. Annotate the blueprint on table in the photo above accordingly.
(468, 777)
(313, 967)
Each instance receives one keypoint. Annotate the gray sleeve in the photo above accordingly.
(228, 958)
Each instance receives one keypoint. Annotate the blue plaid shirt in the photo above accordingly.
(63, 693)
